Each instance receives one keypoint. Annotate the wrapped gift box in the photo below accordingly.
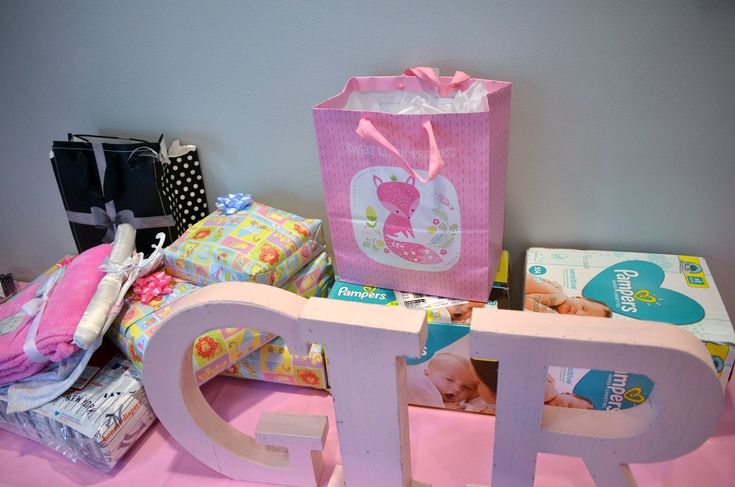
(274, 363)
(257, 244)
(215, 351)
(211, 354)
(97, 420)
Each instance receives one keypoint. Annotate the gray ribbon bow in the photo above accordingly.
(100, 218)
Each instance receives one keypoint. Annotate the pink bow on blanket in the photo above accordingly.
(60, 308)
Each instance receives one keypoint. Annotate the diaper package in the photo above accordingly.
(96, 421)
(441, 376)
(675, 289)
(258, 244)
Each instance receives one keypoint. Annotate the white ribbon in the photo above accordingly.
(34, 308)
(121, 274)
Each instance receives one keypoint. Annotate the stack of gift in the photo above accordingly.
(242, 241)
(58, 387)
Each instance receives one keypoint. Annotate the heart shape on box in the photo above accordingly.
(633, 288)
(645, 296)
(635, 395)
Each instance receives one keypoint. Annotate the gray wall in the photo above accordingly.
(623, 116)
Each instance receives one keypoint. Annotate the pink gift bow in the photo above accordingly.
(148, 288)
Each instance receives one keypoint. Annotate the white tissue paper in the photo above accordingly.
(471, 100)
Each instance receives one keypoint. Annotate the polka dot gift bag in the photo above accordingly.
(414, 170)
(184, 186)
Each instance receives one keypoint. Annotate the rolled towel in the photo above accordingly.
(94, 318)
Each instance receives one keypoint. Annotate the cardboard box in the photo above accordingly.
(441, 377)
(676, 289)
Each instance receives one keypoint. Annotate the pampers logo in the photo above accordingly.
(626, 297)
(613, 390)
(618, 394)
(633, 288)
(366, 293)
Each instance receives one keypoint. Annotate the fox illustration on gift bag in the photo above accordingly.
(402, 222)
(402, 199)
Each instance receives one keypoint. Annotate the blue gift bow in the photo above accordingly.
(233, 202)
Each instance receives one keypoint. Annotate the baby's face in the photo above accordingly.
(582, 306)
(452, 379)
(462, 313)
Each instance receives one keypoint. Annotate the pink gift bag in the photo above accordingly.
(414, 171)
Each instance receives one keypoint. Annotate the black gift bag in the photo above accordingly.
(105, 181)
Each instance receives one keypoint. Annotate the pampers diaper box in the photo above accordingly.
(441, 376)
(675, 289)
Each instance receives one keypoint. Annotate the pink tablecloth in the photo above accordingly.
(449, 449)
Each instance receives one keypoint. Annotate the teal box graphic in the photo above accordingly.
(633, 288)
(674, 289)
(606, 390)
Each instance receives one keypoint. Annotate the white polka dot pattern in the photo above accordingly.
(187, 205)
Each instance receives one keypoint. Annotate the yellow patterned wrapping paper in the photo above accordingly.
(212, 352)
(215, 351)
(258, 244)
(274, 363)
(314, 279)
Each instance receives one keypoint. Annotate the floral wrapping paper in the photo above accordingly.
(274, 363)
(212, 352)
(257, 244)
(314, 279)
(216, 350)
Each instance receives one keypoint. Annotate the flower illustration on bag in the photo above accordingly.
(309, 377)
(444, 232)
(207, 347)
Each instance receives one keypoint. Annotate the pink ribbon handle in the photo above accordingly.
(460, 81)
(367, 131)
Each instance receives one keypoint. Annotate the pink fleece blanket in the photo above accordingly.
(66, 304)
